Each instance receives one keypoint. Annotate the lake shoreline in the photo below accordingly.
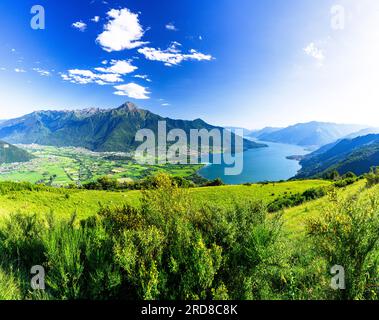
(260, 165)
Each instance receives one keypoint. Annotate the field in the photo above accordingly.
(63, 166)
(198, 243)
(65, 202)
(295, 218)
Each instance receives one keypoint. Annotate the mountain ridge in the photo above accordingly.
(266, 130)
(312, 133)
(357, 155)
(94, 128)
(11, 154)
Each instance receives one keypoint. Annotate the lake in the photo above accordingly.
(263, 164)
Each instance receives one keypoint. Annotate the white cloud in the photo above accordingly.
(132, 90)
(101, 75)
(313, 51)
(3, 69)
(123, 31)
(170, 26)
(18, 70)
(95, 19)
(78, 76)
(42, 72)
(80, 25)
(165, 104)
(119, 67)
(143, 76)
(173, 55)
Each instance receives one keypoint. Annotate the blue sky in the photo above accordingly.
(243, 62)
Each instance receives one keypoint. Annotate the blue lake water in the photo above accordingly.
(263, 164)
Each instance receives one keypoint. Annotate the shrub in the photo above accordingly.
(167, 248)
(347, 234)
(21, 240)
(288, 201)
(345, 182)
(349, 175)
(111, 184)
(214, 183)
(9, 286)
(332, 175)
(372, 177)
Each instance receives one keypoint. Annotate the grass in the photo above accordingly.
(9, 286)
(222, 252)
(65, 202)
(63, 166)
(83, 203)
(266, 192)
(296, 217)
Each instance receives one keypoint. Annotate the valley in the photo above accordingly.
(85, 208)
(62, 166)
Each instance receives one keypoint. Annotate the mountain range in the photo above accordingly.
(10, 154)
(246, 132)
(257, 134)
(311, 134)
(356, 155)
(340, 147)
(94, 129)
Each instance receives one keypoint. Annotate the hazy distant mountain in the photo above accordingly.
(10, 154)
(311, 134)
(259, 133)
(357, 155)
(363, 132)
(94, 129)
(246, 132)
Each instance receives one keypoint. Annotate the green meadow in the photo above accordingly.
(247, 242)
(189, 243)
(65, 202)
(63, 166)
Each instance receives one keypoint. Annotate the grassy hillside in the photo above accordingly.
(295, 218)
(202, 243)
(188, 243)
(65, 202)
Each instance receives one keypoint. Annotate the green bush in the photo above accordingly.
(372, 177)
(288, 201)
(9, 286)
(214, 183)
(165, 249)
(345, 182)
(347, 234)
(111, 184)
